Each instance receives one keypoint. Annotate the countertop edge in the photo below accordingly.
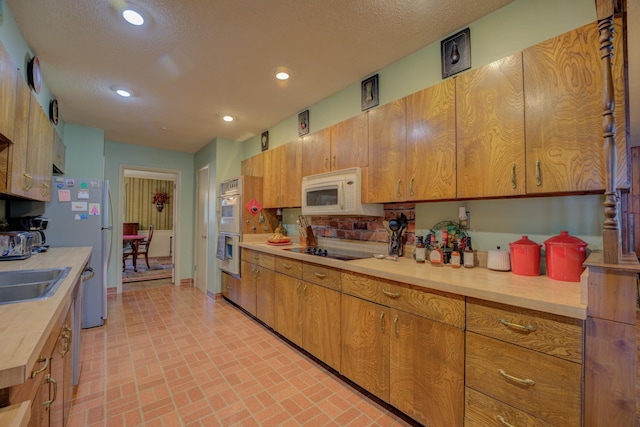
(537, 292)
(17, 415)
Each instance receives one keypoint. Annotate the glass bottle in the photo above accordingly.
(435, 256)
(455, 256)
(421, 251)
(468, 255)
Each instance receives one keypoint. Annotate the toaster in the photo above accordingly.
(15, 245)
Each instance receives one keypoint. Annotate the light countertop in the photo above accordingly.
(25, 326)
(532, 292)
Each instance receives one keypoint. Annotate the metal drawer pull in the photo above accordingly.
(392, 294)
(382, 321)
(320, 275)
(87, 274)
(513, 175)
(518, 380)
(48, 403)
(395, 325)
(44, 367)
(503, 422)
(527, 328)
(538, 179)
(398, 188)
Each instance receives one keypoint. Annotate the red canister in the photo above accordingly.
(565, 256)
(525, 257)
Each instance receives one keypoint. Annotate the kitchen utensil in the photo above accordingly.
(565, 256)
(498, 260)
(525, 257)
(386, 227)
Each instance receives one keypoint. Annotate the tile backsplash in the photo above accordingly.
(370, 229)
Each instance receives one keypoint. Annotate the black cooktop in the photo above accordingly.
(335, 253)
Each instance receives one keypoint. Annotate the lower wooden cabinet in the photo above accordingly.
(414, 363)
(309, 316)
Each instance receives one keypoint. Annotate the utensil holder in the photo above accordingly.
(310, 239)
(396, 245)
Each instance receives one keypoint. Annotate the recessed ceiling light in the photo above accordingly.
(282, 75)
(132, 17)
(123, 93)
(227, 118)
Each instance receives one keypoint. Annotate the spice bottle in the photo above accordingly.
(435, 256)
(421, 251)
(468, 254)
(455, 256)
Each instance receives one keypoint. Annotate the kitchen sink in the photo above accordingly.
(29, 285)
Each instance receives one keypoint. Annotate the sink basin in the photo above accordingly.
(29, 285)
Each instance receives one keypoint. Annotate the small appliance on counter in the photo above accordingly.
(34, 225)
(15, 245)
(498, 260)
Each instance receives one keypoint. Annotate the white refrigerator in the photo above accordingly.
(79, 214)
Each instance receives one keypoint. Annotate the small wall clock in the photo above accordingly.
(34, 75)
(53, 111)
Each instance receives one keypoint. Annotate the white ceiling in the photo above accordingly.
(196, 60)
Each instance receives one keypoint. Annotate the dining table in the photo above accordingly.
(133, 240)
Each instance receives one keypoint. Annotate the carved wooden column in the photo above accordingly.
(611, 229)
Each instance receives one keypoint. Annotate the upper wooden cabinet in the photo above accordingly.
(316, 152)
(431, 142)
(490, 130)
(387, 171)
(343, 145)
(253, 166)
(8, 77)
(283, 176)
(40, 155)
(563, 97)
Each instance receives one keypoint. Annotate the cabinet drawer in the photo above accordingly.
(555, 335)
(422, 302)
(483, 411)
(288, 266)
(541, 385)
(259, 258)
(321, 275)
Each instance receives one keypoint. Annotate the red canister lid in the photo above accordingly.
(524, 242)
(565, 240)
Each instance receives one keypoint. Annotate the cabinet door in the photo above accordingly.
(387, 154)
(350, 143)
(248, 286)
(288, 308)
(61, 372)
(562, 86)
(271, 183)
(253, 166)
(291, 175)
(265, 300)
(365, 344)
(490, 130)
(8, 73)
(321, 326)
(431, 142)
(231, 286)
(316, 152)
(40, 155)
(427, 369)
(18, 181)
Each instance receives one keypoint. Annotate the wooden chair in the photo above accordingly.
(143, 249)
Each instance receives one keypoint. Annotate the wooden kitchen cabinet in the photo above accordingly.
(490, 130)
(309, 314)
(258, 270)
(387, 171)
(431, 142)
(546, 390)
(249, 277)
(563, 97)
(49, 387)
(8, 77)
(283, 176)
(316, 152)
(230, 287)
(340, 146)
(253, 166)
(40, 155)
(409, 360)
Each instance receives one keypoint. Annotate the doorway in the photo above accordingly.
(138, 211)
(202, 229)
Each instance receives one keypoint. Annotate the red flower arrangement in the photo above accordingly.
(161, 197)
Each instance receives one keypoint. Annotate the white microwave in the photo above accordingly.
(336, 193)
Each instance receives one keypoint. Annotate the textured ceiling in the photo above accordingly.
(196, 60)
